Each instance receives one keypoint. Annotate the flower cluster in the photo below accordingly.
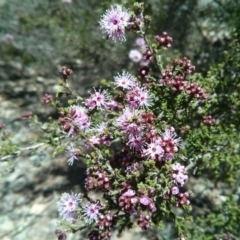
(135, 55)
(141, 53)
(176, 77)
(179, 174)
(208, 120)
(130, 201)
(99, 136)
(74, 120)
(164, 40)
(142, 143)
(133, 156)
(96, 179)
(47, 98)
(67, 206)
(114, 23)
(66, 72)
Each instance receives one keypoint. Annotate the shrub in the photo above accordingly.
(144, 136)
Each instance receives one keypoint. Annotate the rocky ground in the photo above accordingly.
(32, 183)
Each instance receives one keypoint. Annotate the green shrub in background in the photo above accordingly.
(201, 28)
(220, 145)
(47, 34)
(218, 152)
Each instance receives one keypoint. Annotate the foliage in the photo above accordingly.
(219, 149)
(220, 223)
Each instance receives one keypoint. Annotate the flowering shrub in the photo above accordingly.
(131, 134)
(142, 135)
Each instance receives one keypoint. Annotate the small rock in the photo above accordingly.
(38, 208)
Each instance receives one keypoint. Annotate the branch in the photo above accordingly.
(18, 152)
(190, 165)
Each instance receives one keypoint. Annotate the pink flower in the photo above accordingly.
(67, 206)
(170, 142)
(175, 190)
(94, 140)
(169, 156)
(78, 112)
(84, 125)
(153, 151)
(135, 55)
(139, 97)
(144, 98)
(126, 117)
(114, 22)
(71, 154)
(134, 200)
(125, 80)
(136, 143)
(132, 129)
(79, 117)
(47, 98)
(179, 174)
(91, 212)
(98, 99)
(129, 193)
(112, 105)
(140, 42)
(145, 200)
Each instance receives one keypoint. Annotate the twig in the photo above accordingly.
(190, 165)
(18, 152)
